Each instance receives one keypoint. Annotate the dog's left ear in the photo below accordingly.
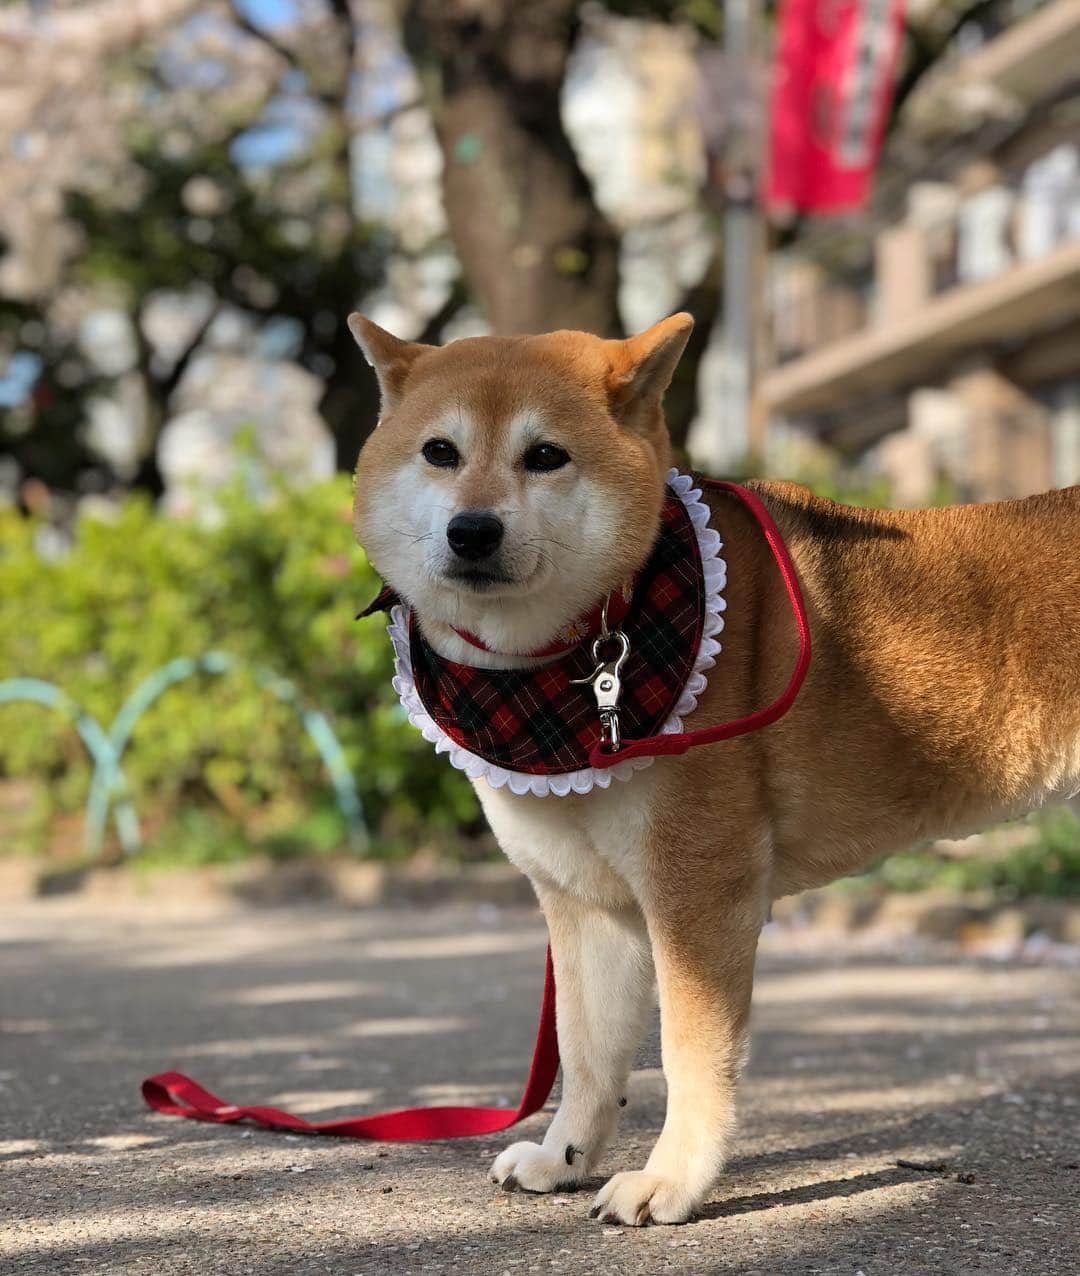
(642, 366)
(391, 357)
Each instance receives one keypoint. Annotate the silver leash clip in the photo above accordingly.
(605, 681)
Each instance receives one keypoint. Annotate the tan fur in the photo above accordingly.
(944, 694)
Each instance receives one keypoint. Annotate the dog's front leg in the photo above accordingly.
(604, 982)
(704, 970)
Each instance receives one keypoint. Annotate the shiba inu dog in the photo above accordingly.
(512, 485)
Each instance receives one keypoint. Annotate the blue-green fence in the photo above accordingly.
(108, 793)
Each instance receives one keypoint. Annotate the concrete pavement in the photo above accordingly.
(863, 1056)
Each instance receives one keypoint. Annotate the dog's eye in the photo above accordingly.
(441, 453)
(544, 457)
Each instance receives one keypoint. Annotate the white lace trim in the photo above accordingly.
(475, 767)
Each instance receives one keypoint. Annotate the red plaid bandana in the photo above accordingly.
(534, 721)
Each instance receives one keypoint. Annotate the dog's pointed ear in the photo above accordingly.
(388, 355)
(642, 366)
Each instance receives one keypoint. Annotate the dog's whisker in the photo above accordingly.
(536, 540)
(413, 540)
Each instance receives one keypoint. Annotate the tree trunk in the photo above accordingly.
(682, 400)
(536, 251)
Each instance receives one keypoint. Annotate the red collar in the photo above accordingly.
(571, 635)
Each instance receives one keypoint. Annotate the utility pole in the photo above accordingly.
(742, 427)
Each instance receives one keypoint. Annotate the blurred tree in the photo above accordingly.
(42, 413)
(220, 168)
(249, 254)
(537, 251)
(205, 150)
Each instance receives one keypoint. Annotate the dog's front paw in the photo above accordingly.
(637, 1197)
(528, 1167)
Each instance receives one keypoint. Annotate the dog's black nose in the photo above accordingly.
(474, 535)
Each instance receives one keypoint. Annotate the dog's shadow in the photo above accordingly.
(805, 1194)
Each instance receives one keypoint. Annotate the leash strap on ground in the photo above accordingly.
(175, 1094)
(679, 742)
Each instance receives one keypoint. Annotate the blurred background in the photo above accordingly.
(194, 195)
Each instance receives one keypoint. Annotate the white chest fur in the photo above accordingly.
(592, 845)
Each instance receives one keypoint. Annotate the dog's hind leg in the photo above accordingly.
(604, 983)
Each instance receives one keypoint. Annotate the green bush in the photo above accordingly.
(276, 584)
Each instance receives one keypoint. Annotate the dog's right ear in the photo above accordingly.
(641, 369)
(391, 357)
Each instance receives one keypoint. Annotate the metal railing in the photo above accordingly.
(109, 790)
(973, 239)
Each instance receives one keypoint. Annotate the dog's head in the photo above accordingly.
(512, 482)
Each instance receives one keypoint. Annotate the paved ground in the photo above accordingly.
(861, 1057)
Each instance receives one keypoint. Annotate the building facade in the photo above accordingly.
(936, 339)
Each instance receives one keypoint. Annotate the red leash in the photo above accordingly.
(175, 1094)
(679, 742)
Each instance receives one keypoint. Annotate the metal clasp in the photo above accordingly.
(606, 682)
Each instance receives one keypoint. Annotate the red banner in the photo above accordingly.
(832, 85)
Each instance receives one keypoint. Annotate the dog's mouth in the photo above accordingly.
(492, 579)
(481, 581)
